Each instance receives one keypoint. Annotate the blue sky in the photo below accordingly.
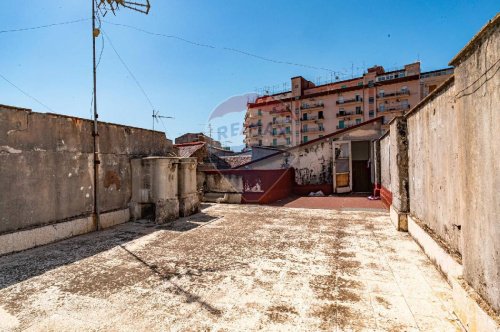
(187, 81)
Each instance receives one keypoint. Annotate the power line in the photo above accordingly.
(26, 94)
(234, 50)
(45, 26)
(128, 70)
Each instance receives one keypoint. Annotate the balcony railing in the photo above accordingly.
(254, 125)
(352, 100)
(394, 94)
(281, 133)
(347, 125)
(390, 108)
(311, 106)
(348, 113)
(312, 129)
(281, 122)
(309, 118)
(276, 110)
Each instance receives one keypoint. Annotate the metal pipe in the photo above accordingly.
(95, 132)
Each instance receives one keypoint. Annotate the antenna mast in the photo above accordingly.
(101, 7)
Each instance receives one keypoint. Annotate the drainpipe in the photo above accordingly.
(95, 132)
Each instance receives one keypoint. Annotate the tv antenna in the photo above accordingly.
(157, 117)
(100, 8)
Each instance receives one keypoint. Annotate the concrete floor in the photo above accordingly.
(232, 267)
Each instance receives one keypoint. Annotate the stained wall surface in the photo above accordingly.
(46, 163)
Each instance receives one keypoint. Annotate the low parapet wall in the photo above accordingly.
(255, 186)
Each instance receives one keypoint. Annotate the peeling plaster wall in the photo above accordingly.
(46, 166)
(313, 162)
(477, 86)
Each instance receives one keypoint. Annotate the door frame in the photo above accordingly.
(342, 189)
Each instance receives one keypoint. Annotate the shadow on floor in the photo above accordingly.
(17, 267)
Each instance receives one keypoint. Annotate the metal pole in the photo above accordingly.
(95, 132)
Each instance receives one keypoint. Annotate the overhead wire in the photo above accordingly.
(45, 26)
(26, 94)
(230, 49)
(128, 70)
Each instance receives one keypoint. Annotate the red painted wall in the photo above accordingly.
(386, 196)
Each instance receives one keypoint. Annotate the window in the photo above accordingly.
(305, 139)
(341, 100)
(260, 142)
(358, 121)
(381, 93)
(275, 141)
(304, 128)
(288, 141)
(259, 112)
(320, 115)
(320, 127)
(304, 116)
(371, 113)
(360, 83)
(381, 108)
(274, 131)
(274, 119)
(288, 130)
(343, 86)
(341, 124)
(358, 110)
(371, 100)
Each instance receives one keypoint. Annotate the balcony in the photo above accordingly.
(309, 118)
(349, 113)
(281, 122)
(257, 135)
(347, 101)
(254, 125)
(313, 130)
(311, 106)
(282, 110)
(347, 125)
(392, 108)
(394, 94)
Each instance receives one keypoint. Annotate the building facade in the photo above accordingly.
(308, 111)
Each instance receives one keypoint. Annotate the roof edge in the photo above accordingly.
(471, 45)
(431, 96)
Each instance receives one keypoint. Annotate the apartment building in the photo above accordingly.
(308, 111)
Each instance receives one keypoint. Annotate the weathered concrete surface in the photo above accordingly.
(434, 170)
(155, 182)
(477, 86)
(34, 237)
(230, 268)
(385, 162)
(398, 156)
(46, 163)
(189, 202)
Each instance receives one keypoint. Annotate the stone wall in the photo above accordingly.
(46, 162)
(477, 95)
(434, 168)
